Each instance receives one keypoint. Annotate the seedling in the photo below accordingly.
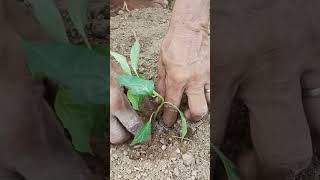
(138, 88)
(81, 71)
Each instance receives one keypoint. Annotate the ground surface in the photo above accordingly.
(165, 157)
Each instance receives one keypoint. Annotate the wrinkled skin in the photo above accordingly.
(32, 142)
(184, 64)
(124, 121)
(267, 54)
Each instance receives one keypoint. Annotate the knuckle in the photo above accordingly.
(177, 79)
(199, 111)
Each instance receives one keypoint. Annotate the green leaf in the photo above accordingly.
(134, 55)
(143, 133)
(122, 61)
(80, 120)
(134, 100)
(78, 13)
(50, 19)
(102, 50)
(184, 125)
(228, 165)
(83, 73)
(138, 86)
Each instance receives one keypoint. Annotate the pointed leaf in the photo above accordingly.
(83, 73)
(50, 19)
(143, 133)
(134, 55)
(184, 125)
(80, 120)
(122, 61)
(134, 100)
(138, 86)
(78, 13)
(228, 165)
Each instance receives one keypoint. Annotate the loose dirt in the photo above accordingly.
(165, 156)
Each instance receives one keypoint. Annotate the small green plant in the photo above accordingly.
(81, 72)
(138, 88)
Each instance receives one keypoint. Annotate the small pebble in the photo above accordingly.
(138, 153)
(162, 141)
(194, 173)
(176, 172)
(188, 159)
(178, 151)
(163, 147)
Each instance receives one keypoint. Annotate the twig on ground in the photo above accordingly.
(125, 6)
(181, 138)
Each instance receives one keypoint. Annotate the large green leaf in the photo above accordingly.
(122, 61)
(134, 56)
(80, 120)
(78, 13)
(82, 72)
(137, 86)
(184, 125)
(228, 165)
(102, 50)
(50, 19)
(134, 100)
(143, 133)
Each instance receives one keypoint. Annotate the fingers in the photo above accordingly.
(197, 103)
(280, 115)
(130, 120)
(161, 86)
(118, 134)
(173, 95)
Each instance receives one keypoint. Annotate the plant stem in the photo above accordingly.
(158, 95)
(155, 94)
(172, 105)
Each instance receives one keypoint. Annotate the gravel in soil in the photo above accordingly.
(165, 156)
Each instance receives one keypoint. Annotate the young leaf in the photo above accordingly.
(80, 120)
(134, 100)
(138, 86)
(83, 73)
(78, 13)
(184, 125)
(50, 19)
(143, 133)
(228, 165)
(134, 55)
(122, 61)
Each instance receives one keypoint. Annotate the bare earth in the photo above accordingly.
(165, 156)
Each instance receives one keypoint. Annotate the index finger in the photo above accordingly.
(174, 93)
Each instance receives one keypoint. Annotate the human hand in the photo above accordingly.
(184, 66)
(123, 119)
